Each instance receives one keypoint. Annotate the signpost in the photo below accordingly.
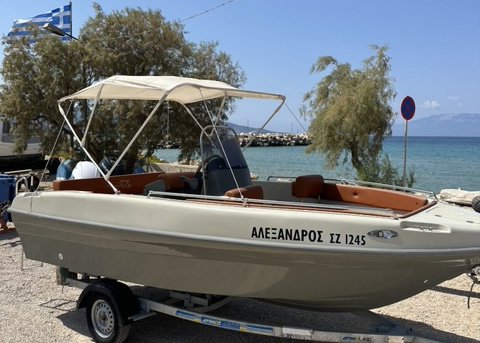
(408, 111)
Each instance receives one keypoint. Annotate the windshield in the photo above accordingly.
(211, 146)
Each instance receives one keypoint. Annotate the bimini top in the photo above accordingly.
(180, 89)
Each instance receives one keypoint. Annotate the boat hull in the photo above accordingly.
(188, 252)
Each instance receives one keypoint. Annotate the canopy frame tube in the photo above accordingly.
(149, 88)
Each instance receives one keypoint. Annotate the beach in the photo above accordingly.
(33, 308)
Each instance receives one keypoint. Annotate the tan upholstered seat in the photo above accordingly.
(252, 192)
(308, 186)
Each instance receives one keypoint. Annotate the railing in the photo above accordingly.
(367, 184)
(275, 203)
(9, 138)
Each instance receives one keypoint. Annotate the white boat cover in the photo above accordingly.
(180, 89)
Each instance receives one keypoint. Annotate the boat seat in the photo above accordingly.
(308, 187)
(127, 184)
(381, 198)
(158, 186)
(218, 177)
(251, 192)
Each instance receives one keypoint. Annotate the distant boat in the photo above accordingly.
(9, 160)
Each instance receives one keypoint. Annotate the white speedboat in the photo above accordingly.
(310, 242)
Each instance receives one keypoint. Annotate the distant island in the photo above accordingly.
(441, 125)
(245, 129)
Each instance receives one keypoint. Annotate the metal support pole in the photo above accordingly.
(405, 155)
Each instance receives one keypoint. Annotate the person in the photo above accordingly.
(138, 169)
(64, 170)
(52, 167)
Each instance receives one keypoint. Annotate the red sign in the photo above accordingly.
(408, 108)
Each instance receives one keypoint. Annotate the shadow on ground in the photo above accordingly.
(459, 292)
(163, 328)
(75, 320)
(8, 234)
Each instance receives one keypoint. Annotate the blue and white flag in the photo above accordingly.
(60, 17)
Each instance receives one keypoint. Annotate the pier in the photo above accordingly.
(260, 140)
(274, 139)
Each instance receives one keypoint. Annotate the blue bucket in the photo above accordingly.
(7, 191)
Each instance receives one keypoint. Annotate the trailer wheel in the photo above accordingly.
(104, 320)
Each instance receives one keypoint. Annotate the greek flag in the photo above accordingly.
(60, 17)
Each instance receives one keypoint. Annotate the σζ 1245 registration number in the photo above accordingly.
(337, 238)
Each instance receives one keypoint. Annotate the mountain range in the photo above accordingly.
(440, 125)
(245, 129)
(453, 125)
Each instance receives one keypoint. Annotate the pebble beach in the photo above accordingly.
(33, 308)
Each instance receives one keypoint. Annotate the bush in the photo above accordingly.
(382, 171)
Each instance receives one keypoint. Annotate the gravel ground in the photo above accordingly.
(34, 309)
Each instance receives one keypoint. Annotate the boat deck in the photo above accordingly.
(309, 193)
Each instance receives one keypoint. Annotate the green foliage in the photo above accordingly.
(129, 42)
(35, 76)
(381, 170)
(134, 42)
(351, 114)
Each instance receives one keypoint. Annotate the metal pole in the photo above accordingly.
(71, 21)
(405, 155)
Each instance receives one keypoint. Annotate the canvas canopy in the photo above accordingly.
(160, 88)
(180, 89)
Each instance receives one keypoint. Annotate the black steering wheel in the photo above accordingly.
(206, 161)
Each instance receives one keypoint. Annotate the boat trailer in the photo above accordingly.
(111, 308)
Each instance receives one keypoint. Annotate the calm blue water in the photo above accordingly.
(439, 162)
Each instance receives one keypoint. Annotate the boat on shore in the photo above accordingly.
(306, 242)
(9, 160)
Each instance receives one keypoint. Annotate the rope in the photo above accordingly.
(470, 295)
(296, 118)
(207, 11)
(51, 151)
(223, 149)
(182, 20)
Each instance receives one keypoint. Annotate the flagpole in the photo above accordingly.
(71, 20)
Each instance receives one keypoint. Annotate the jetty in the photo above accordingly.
(259, 140)
(273, 139)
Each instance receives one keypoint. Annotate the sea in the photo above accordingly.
(438, 162)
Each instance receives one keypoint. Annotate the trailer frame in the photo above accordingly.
(194, 308)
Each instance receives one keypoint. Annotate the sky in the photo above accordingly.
(434, 45)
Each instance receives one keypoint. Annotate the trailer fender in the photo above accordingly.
(120, 294)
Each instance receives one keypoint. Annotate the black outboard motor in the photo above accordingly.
(107, 163)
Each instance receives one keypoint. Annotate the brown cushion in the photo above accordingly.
(308, 186)
(382, 198)
(252, 192)
(126, 184)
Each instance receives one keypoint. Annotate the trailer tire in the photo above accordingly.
(105, 320)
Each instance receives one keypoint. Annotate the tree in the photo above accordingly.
(351, 115)
(129, 42)
(137, 42)
(35, 76)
